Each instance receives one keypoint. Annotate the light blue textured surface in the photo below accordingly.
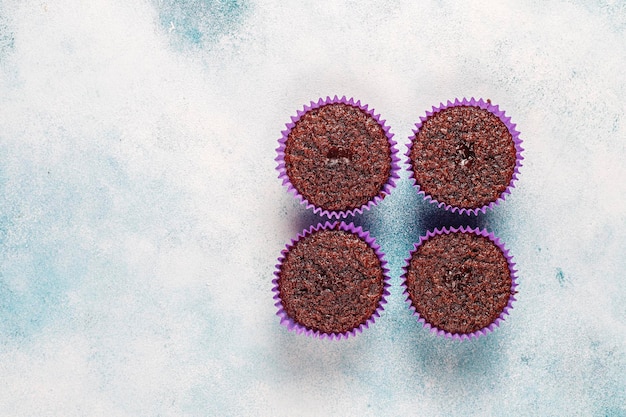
(141, 214)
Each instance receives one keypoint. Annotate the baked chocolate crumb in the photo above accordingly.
(459, 282)
(331, 281)
(338, 157)
(463, 156)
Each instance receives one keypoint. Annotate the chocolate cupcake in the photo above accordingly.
(337, 157)
(465, 155)
(460, 282)
(331, 281)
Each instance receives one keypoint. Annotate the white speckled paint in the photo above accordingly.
(141, 214)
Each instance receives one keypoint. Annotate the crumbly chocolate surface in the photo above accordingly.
(331, 281)
(338, 157)
(463, 156)
(459, 282)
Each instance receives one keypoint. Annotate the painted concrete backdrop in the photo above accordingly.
(141, 214)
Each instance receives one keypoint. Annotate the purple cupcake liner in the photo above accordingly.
(494, 109)
(505, 312)
(291, 324)
(281, 168)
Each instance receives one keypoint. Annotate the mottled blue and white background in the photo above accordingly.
(141, 214)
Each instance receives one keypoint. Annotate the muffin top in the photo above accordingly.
(459, 282)
(330, 281)
(338, 157)
(463, 156)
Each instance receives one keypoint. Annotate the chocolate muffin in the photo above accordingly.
(464, 155)
(338, 156)
(459, 281)
(331, 280)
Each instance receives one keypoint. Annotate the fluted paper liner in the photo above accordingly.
(385, 190)
(495, 110)
(505, 312)
(290, 323)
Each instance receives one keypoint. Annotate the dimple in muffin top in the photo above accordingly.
(338, 157)
(463, 156)
(459, 282)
